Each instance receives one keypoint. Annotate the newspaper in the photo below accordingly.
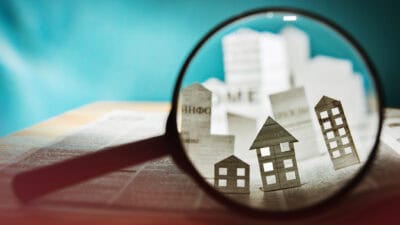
(156, 185)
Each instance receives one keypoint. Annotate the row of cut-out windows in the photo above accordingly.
(328, 125)
(271, 179)
(269, 166)
(266, 151)
(239, 183)
(330, 134)
(333, 144)
(336, 153)
(224, 171)
(334, 111)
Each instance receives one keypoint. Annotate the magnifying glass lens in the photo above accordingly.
(278, 111)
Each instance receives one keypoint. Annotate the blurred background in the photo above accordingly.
(58, 55)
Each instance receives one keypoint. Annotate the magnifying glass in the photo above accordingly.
(275, 112)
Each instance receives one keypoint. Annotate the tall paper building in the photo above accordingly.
(256, 60)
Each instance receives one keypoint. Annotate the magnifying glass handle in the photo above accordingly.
(40, 181)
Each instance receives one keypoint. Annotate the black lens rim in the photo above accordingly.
(182, 160)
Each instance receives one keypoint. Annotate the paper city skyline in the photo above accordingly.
(270, 81)
(258, 64)
(275, 147)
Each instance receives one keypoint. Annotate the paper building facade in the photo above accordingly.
(255, 60)
(196, 110)
(337, 135)
(291, 110)
(231, 175)
(276, 157)
(204, 149)
(322, 75)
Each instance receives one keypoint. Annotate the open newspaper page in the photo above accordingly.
(155, 185)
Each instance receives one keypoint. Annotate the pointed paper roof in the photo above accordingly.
(271, 133)
(232, 159)
(325, 101)
(196, 87)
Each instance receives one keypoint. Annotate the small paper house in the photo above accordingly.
(231, 175)
(337, 135)
(276, 157)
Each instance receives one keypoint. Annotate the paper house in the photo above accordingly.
(231, 175)
(337, 135)
(276, 157)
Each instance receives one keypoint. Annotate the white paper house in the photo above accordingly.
(231, 175)
(276, 157)
(337, 135)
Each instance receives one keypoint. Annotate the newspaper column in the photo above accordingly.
(204, 149)
(195, 111)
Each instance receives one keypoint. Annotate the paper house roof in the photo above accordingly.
(196, 87)
(232, 160)
(325, 101)
(270, 134)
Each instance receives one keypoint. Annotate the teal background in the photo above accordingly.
(58, 55)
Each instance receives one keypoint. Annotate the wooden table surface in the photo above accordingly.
(366, 209)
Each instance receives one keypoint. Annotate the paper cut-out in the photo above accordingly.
(204, 149)
(276, 157)
(255, 60)
(291, 110)
(323, 74)
(231, 175)
(337, 135)
(196, 110)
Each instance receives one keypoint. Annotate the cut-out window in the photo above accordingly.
(223, 171)
(222, 182)
(265, 151)
(240, 171)
(271, 179)
(345, 140)
(336, 154)
(333, 144)
(339, 121)
(268, 166)
(330, 135)
(327, 125)
(287, 163)
(240, 183)
(342, 131)
(347, 150)
(285, 147)
(290, 175)
(335, 111)
(324, 114)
